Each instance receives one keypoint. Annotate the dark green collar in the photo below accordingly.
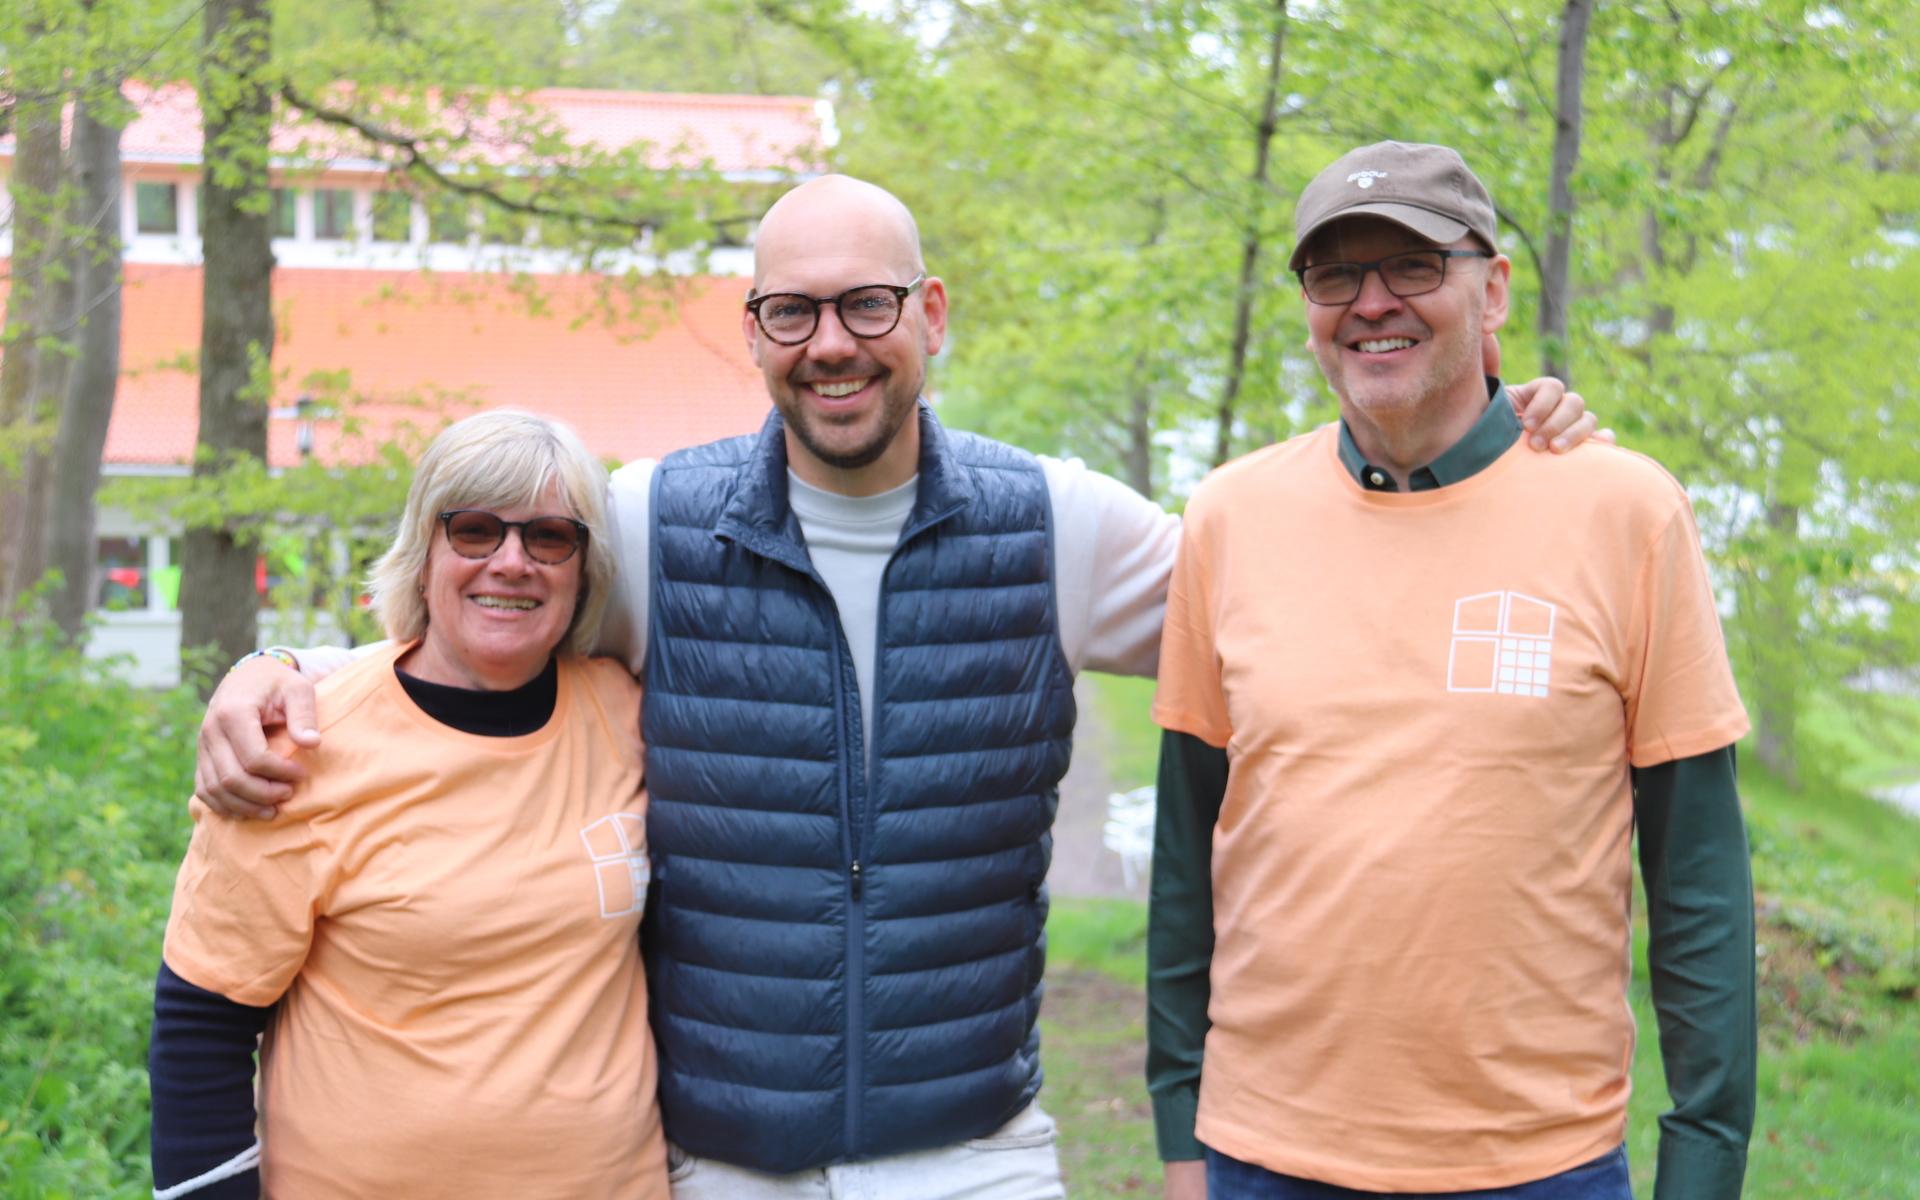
(1491, 436)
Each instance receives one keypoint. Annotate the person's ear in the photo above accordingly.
(1499, 276)
(933, 299)
(750, 330)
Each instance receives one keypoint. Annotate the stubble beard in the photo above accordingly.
(895, 408)
(1394, 401)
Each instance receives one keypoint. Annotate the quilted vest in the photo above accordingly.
(845, 962)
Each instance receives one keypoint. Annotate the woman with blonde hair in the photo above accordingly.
(438, 936)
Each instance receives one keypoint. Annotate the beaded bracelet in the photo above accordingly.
(277, 653)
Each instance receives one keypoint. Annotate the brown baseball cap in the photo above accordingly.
(1426, 188)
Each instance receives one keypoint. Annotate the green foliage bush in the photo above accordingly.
(94, 775)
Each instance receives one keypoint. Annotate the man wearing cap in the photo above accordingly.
(1419, 689)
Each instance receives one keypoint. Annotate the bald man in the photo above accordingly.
(858, 633)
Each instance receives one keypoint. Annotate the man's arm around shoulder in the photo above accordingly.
(236, 773)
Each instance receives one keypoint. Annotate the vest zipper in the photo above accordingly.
(856, 911)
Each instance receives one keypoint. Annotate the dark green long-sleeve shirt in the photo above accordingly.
(1693, 855)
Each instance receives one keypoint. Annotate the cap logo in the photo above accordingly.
(1365, 178)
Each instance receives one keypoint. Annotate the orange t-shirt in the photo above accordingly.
(449, 924)
(1421, 875)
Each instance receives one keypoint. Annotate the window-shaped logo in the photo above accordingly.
(618, 847)
(1503, 643)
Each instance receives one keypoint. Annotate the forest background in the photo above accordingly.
(1714, 211)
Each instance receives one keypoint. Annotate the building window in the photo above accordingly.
(122, 568)
(392, 217)
(280, 219)
(166, 579)
(156, 207)
(447, 218)
(332, 214)
(504, 227)
(287, 579)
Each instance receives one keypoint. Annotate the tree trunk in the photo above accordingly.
(34, 309)
(1555, 286)
(1138, 448)
(1139, 460)
(96, 371)
(218, 603)
(1772, 599)
(1248, 290)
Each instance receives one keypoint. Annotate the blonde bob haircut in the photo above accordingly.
(499, 459)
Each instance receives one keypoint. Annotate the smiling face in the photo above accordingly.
(847, 401)
(1390, 357)
(493, 622)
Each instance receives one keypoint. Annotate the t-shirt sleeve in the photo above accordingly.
(244, 904)
(1191, 697)
(1681, 699)
(623, 632)
(617, 695)
(1113, 549)
(318, 662)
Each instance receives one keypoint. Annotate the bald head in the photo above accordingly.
(836, 217)
(847, 397)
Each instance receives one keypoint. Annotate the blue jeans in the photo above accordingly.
(1605, 1178)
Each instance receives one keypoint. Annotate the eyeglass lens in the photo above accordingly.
(474, 533)
(865, 311)
(1410, 274)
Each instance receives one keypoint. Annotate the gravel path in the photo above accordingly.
(1082, 864)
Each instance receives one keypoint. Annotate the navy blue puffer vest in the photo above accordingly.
(846, 965)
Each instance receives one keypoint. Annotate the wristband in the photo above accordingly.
(277, 653)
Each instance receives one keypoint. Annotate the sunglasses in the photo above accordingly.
(477, 533)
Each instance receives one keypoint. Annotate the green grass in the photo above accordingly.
(1104, 936)
(1124, 705)
(1841, 867)
(1093, 1028)
(1839, 1087)
(1875, 738)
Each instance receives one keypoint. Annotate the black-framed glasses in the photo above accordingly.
(1413, 273)
(477, 533)
(868, 311)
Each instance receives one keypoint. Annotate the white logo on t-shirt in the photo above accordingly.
(1502, 642)
(618, 847)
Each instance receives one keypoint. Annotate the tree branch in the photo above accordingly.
(1250, 248)
(1710, 165)
(107, 77)
(414, 161)
(1526, 239)
(1696, 100)
(1526, 56)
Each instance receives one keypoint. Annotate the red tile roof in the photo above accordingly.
(737, 133)
(636, 387)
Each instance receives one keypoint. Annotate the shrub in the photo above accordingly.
(94, 774)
